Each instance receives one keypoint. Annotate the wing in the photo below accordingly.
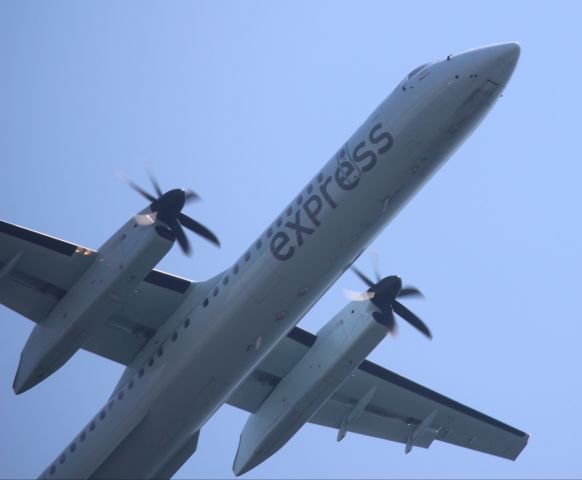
(396, 410)
(37, 270)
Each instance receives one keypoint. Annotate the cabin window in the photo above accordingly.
(299, 200)
(320, 177)
(151, 362)
(259, 244)
(270, 232)
(52, 469)
(73, 447)
(225, 280)
(205, 302)
(215, 292)
(140, 373)
(92, 425)
(289, 210)
(310, 188)
(131, 384)
(160, 351)
(83, 436)
(186, 323)
(279, 221)
(247, 256)
(102, 415)
(120, 395)
(235, 269)
(174, 336)
(62, 459)
(110, 406)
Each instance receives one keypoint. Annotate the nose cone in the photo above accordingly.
(170, 203)
(386, 290)
(507, 52)
(498, 61)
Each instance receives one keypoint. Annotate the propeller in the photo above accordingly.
(384, 294)
(167, 207)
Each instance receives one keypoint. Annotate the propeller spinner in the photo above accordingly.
(167, 207)
(384, 294)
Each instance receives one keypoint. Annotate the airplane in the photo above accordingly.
(190, 347)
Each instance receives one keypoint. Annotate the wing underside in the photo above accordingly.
(37, 271)
(396, 410)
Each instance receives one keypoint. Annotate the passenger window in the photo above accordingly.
(215, 292)
(62, 459)
(174, 336)
(120, 395)
(186, 323)
(259, 244)
(225, 280)
(205, 302)
(235, 270)
(247, 256)
(102, 415)
(73, 447)
(151, 362)
(131, 384)
(52, 469)
(140, 373)
(92, 425)
(83, 436)
(160, 351)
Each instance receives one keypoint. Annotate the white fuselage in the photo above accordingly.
(223, 330)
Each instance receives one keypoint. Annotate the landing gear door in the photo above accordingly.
(348, 169)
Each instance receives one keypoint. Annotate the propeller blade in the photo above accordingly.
(196, 227)
(138, 189)
(375, 261)
(411, 318)
(410, 291)
(358, 296)
(191, 196)
(386, 317)
(155, 184)
(181, 237)
(363, 277)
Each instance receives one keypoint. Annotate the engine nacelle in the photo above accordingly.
(120, 265)
(341, 346)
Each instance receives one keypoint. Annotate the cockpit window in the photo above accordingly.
(416, 70)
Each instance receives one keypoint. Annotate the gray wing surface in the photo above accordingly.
(397, 408)
(43, 270)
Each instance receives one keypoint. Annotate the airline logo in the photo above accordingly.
(352, 164)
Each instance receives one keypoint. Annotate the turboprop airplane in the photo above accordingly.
(189, 347)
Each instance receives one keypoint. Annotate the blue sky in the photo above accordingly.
(243, 102)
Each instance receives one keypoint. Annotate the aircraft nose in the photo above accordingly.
(499, 61)
(505, 52)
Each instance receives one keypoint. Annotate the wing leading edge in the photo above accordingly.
(399, 409)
